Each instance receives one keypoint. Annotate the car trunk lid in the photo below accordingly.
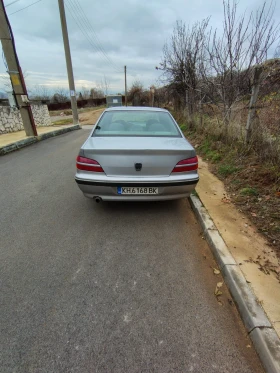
(134, 157)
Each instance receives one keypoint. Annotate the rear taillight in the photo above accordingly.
(190, 164)
(87, 164)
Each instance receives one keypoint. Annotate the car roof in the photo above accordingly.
(135, 108)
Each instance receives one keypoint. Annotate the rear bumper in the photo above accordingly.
(107, 190)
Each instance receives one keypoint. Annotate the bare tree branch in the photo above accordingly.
(182, 57)
(245, 42)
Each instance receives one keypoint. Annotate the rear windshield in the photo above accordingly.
(136, 123)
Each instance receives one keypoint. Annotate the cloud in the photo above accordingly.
(130, 33)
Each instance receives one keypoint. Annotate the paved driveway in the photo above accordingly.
(110, 287)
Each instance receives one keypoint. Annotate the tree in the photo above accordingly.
(182, 57)
(105, 85)
(277, 51)
(61, 95)
(96, 93)
(85, 93)
(135, 92)
(161, 96)
(244, 43)
(40, 92)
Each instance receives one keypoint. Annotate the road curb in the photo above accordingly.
(17, 145)
(259, 328)
(32, 140)
(61, 131)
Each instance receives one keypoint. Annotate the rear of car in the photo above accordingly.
(136, 154)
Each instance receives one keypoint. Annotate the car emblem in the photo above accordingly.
(138, 166)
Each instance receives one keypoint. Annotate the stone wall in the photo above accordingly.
(10, 118)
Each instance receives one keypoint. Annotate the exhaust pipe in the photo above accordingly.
(98, 199)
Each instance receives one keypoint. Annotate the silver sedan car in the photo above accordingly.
(136, 154)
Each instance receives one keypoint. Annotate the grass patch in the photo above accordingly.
(62, 121)
(210, 154)
(183, 127)
(194, 193)
(236, 182)
(248, 191)
(214, 156)
(205, 147)
(226, 170)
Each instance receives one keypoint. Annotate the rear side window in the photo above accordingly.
(136, 123)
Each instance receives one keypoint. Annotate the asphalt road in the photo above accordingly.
(105, 288)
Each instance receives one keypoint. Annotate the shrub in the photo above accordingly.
(227, 169)
(249, 191)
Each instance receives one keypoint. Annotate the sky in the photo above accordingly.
(104, 36)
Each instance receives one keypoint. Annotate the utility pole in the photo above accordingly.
(125, 86)
(15, 72)
(68, 62)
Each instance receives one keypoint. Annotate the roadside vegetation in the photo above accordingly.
(224, 92)
(252, 184)
(62, 122)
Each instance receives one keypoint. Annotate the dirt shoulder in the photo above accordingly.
(256, 258)
(90, 117)
(251, 185)
(85, 117)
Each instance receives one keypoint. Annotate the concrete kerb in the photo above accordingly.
(31, 140)
(211, 234)
(252, 313)
(17, 145)
(47, 135)
(263, 336)
(267, 344)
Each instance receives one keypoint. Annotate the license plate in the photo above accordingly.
(137, 190)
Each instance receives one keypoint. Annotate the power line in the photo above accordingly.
(85, 33)
(99, 44)
(97, 40)
(13, 2)
(96, 44)
(80, 24)
(28, 6)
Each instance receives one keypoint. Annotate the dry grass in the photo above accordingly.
(61, 122)
(264, 143)
(55, 113)
(251, 173)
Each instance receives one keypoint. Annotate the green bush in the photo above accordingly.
(214, 156)
(249, 191)
(205, 147)
(236, 182)
(227, 169)
(183, 127)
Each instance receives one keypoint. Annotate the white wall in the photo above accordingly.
(10, 118)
